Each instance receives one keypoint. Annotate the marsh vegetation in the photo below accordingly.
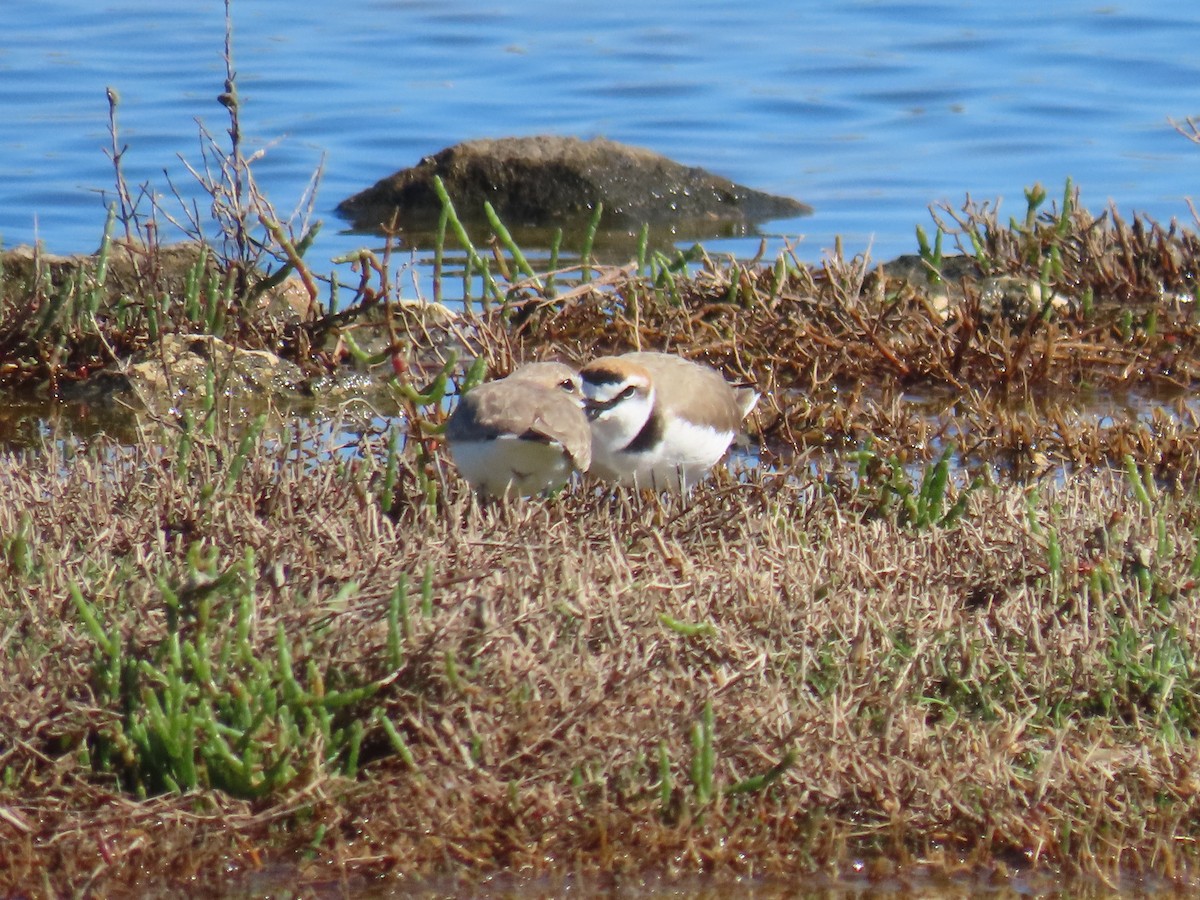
(946, 625)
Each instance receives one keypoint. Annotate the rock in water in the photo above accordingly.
(548, 181)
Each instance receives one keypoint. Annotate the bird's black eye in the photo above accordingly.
(627, 393)
(567, 385)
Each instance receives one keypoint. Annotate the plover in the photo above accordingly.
(660, 421)
(522, 434)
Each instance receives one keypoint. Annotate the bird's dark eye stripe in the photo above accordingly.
(599, 406)
(603, 377)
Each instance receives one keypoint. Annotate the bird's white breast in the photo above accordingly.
(511, 465)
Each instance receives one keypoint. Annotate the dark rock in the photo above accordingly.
(547, 181)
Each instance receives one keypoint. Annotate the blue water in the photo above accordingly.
(869, 110)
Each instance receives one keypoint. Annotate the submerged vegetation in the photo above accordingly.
(947, 626)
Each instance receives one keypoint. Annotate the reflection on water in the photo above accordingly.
(28, 424)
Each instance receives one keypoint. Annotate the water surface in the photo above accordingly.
(869, 110)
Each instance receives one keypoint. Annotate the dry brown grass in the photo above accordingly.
(952, 698)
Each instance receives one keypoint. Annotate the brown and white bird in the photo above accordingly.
(660, 421)
(523, 434)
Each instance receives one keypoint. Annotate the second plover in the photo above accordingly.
(523, 434)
